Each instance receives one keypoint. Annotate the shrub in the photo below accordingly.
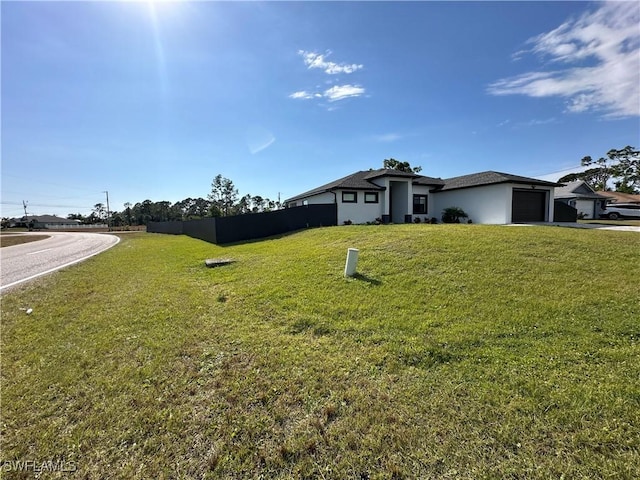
(433, 220)
(417, 220)
(347, 222)
(453, 215)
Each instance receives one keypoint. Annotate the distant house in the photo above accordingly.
(618, 197)
(44, 221)
(401, 197)
(583, 198)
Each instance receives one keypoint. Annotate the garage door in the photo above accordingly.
(528, 206)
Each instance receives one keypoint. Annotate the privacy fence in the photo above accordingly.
(237, 228)
(563, 212)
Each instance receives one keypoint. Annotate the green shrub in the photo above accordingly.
(453, 215)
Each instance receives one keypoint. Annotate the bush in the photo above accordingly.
(433, 220)
(453, 215)
(347, 222)
(417, 220)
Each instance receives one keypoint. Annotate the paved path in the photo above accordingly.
(24, 262)
(599, 226)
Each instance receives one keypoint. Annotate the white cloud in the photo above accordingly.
(302, 94)
(337, 91)
(609, 40)
(340, 92)
(388, 137)
(317, 60)
(333, 94)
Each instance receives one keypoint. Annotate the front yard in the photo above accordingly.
(459, 351)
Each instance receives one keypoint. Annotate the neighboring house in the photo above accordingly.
(399, 197)
(618, 197)
(44, 221)
(583, 198)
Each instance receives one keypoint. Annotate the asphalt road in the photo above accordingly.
(24, 262)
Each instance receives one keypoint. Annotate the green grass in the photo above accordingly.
(460, 351)
(9, 239)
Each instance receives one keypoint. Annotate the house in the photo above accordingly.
(44, 221)
(619, 197)
(582, 197)
(401, 197)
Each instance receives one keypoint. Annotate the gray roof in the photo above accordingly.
(362, 181)
(47, 219)
(490, 178)
(577, 189)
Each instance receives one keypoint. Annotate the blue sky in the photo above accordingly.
(151, 100)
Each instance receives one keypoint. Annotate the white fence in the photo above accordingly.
(54, 226)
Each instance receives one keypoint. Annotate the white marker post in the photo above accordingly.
(352, 262)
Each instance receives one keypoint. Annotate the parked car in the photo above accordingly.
(615, 211)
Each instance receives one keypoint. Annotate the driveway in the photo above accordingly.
(24, 262)
(618, 228)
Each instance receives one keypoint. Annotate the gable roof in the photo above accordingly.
(577, 189)
(490, 178)
(362, 181)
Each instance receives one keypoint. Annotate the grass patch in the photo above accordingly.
(457, 352)
(9, 239)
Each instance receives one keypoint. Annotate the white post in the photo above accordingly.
(352, 262)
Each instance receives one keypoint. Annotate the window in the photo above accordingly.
(370, 197)
(349, 197)
(419, 204)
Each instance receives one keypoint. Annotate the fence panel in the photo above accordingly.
(237, 228)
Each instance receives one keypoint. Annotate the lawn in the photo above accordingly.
(9, 239)
(460, 351)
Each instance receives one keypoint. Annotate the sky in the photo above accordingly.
(151, 100)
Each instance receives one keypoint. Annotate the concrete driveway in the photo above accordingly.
(618, 228)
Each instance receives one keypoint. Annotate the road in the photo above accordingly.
(24, 262)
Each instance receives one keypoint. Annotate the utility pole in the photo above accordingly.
(24, 205)
(108, 212)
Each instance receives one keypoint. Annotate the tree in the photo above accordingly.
(623, 165)
(393, 164)
(77, 216)
(223, 196)
(127, 212)
(100, 211)
(627, 169)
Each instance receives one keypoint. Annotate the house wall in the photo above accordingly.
(359, 212)
(431, 212)
(485, 204)
(490, 204)
(326, 197)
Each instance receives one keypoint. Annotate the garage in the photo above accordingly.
(528, 206)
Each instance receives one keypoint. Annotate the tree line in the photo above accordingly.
(223, 200)
(620, 166)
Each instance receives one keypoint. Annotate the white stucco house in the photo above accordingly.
(399, 197)
(582, 197)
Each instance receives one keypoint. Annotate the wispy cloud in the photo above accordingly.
(303, 95)
(608, 39)
(318, 60)
(337, 91)
(333, 94)
(340, 92)
(388, 137)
